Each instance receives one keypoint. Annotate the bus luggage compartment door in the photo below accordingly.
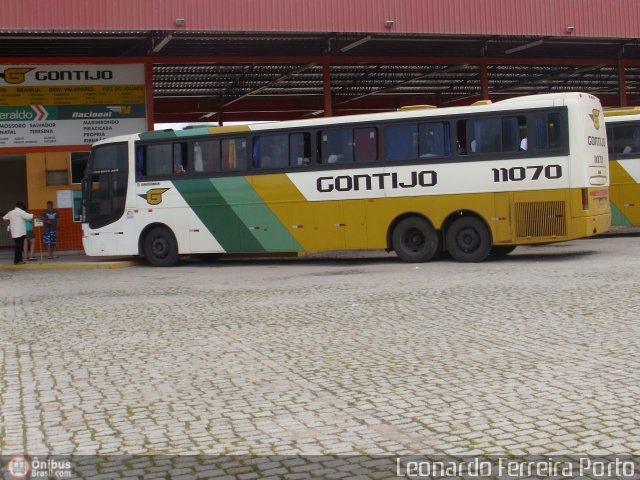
(502, 219)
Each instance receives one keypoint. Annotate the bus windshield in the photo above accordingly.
(105, 184)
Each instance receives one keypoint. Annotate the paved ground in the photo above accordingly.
(537, 353)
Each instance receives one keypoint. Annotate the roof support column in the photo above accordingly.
(622, 84)
(484, 80)
(326, 88)
(148, 94)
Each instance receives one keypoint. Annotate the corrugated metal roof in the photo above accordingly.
(590, 18)
(263, 59)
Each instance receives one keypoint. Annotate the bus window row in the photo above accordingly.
(405, 141)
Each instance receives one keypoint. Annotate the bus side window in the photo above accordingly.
(159, 159)
(179, 158)
(365, 144)
(611, 140)
(234, 154)
(337, 146)
(484, 135)
(401, 142)
(271, 151)
(514, 136)
(141, 164)
(210, 151)
(625, 138)
(461, 137)
(435, 140)
(206, 156)
(548, 135)
(299, 149)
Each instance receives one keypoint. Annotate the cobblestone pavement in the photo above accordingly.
(537, 353)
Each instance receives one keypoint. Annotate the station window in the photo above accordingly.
(78, 166)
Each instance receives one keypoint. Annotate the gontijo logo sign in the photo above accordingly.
(15, 76)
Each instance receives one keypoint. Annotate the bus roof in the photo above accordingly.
(410, 112)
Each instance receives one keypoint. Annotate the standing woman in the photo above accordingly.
(50, 219)
(16, 219)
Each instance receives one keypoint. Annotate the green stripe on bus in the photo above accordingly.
(256, 216)
(235, 215)
(618, 218)
(218, 216)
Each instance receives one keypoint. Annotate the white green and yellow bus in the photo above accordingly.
(623, 134)
(472, 181)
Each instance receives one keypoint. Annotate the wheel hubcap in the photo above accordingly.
(468, 240)
(413, 240)
(160, 247)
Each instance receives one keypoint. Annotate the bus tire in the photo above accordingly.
(468, 240)
(161, 247)
(502, 250)
(415, 240)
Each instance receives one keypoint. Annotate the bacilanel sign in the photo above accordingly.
(70, 104)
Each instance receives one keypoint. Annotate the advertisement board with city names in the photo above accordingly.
(44, 105)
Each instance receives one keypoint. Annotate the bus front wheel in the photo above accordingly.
(161, 248)
(415, 240)
(468, 240)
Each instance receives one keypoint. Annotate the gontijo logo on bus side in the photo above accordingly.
(154, 196)
(595, 118)
(592, 140)
(15, 75)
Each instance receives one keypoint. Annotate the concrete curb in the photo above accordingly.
(70, 266)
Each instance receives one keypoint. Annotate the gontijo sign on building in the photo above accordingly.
(70, 104)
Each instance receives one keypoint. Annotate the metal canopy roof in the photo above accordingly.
(278, 75)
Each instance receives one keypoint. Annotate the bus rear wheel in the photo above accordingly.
(415, 240)
(161, 248)
(468, 240)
